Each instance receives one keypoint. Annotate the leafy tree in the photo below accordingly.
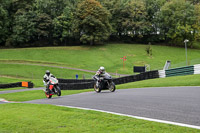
(20, 27)
(194, 1)
(92, 22)
(177, 17)
(24, 22)
(53, 8)
(133, 20)
(114, 7)
(43, 27)
(196, 25)
(153, 8)
(63, 25)
(4, 25)
(149, 50)
(24, 28)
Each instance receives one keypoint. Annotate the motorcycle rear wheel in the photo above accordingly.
(96, 89)
(112, 87)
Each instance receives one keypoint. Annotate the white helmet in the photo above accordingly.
(48, 72)
(102, 69)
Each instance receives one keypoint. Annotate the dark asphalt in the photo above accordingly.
(175, 104)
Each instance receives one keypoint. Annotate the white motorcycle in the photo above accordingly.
(53, 88)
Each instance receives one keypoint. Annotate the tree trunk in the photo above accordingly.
(92, 42)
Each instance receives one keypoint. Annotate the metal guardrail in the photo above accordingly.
(180, 71)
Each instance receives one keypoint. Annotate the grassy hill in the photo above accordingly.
(90, 58)
(29, 64)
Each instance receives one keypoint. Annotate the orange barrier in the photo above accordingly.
(24, 84)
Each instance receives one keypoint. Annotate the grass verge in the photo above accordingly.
(35, 94)
(35, 118)
(188, 80)
(37, 72)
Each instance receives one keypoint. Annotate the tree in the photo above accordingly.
(24, 28)
(43, 27)
(92, 22)
(115, 7)
(194, 1)
(63, 25)
(53, 8)
(20, 22)
(177, 17)
(196, 25)
(134, 18)
(4, 25)
(153, 8)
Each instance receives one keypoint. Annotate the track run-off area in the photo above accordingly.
(171, 105)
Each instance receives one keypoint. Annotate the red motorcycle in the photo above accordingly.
(53, 88)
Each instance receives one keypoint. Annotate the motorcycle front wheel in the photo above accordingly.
(112, 87)
(58, 91)
(96, 89)
(48, 95)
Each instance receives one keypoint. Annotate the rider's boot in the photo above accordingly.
(97, 84)
(47, 90)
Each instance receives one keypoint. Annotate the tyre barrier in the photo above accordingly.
(74, 80)
(71, 84)
(76, 86)
(138, 77)
(18, 84)
(88, 83)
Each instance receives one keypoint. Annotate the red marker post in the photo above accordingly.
(124, 59)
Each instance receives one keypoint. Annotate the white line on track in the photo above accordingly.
(5, 101)
(137, 117)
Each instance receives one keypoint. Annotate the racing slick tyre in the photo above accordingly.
(58, 91)
(96, 89)
(48, 95)
(112, 87)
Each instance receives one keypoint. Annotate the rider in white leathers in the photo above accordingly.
(46, 79)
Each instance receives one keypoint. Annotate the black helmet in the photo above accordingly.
(48, 72)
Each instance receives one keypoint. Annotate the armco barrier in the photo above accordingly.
(187, 70)
(180, 71)
(18, 84)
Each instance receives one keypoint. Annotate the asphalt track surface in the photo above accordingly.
(174, 104)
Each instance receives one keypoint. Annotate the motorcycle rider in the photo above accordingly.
(100, 73)
(46, 80)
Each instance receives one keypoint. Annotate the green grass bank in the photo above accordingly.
(34, 118)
